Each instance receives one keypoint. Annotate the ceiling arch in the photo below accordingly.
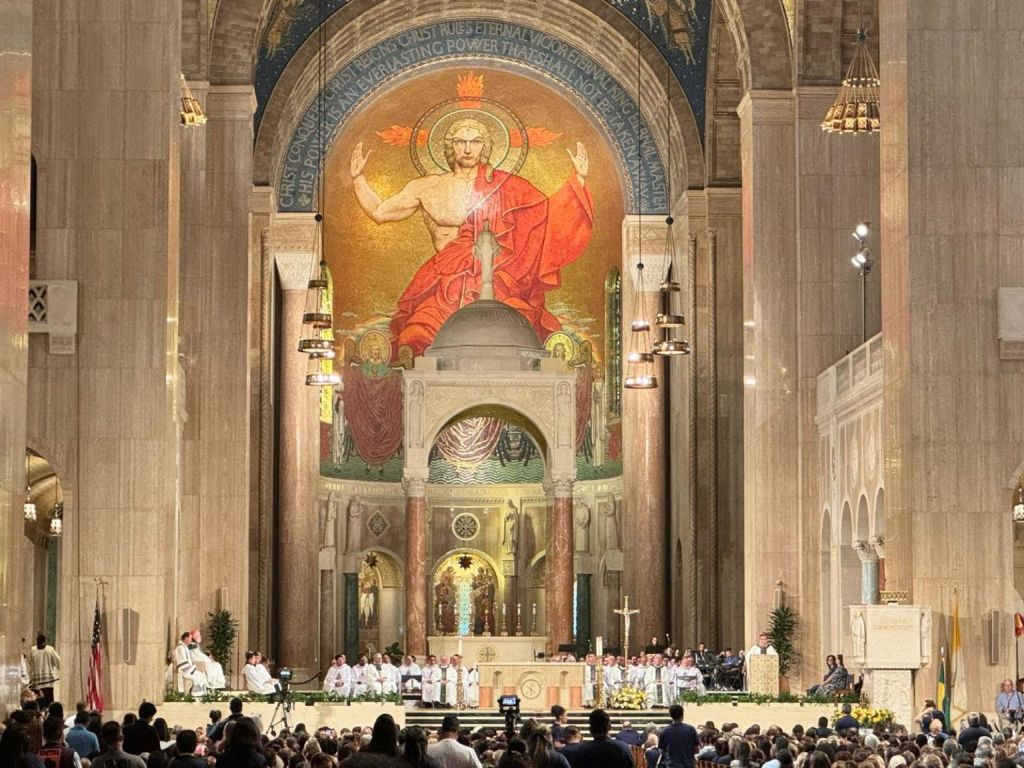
(351, 33)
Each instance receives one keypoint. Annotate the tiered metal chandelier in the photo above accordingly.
(317, 318)
(855, 110)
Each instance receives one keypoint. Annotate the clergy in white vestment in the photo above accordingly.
(409, 673)
(472, 687)
(612, 676)
(257, 677)
(186, 669)
(359, 675)
(381, 677)
(656, 684)
(762, 646)
(637, 673)
(430, 675)
(338, 680)
(589, 679)
(444, 692)
(214, 671)
(688, 677)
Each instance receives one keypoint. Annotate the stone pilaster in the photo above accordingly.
(952, 229)
(771, 408)
(868, 572)
(216, 265)
(416, 588)
(297, 603)
(15, 149)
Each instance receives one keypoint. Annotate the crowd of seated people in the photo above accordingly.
(38, 736)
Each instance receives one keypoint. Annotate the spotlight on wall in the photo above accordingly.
(861, 231)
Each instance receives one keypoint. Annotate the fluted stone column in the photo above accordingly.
(771, 420)
(298, 585)
(558, 565)
(416, 592)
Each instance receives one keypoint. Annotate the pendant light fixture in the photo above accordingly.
(317, 319)
(639, 359)
(1018, 502)
(670, 318)
(30, 511)
(855, 110)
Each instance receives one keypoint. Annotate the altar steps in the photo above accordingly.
(474, 719)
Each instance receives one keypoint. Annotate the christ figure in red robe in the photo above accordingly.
(537, 234)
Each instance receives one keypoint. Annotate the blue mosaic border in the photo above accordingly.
(303, 18)
(467, 41)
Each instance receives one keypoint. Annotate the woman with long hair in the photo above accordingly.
(414, 752)
(242, 746)
(541, 750)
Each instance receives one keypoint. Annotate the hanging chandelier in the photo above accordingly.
(29, 510)
(317, 318)
(639, 359)
(855, 109)
(670, 318)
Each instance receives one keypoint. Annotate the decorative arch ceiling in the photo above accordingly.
(678, 28)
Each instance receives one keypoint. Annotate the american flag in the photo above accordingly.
(94, 695)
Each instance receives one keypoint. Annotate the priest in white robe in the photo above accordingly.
(257, 676)
(214, 671)
(589, 679)
(359, 675)
(409, 673)
(688, 677)
(338, 680)
(612, 676)
(444, 695)
(380, 677)
(431, 676)
(186, 669)
(656, 684)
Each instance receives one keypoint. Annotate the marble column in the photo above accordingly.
(416, 591)
(298, 586)
(868, 572)
(15, 146)
(771, 433)
(952, 234)
(558, 565)
(643, 441)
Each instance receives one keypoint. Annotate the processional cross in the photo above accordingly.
(625, 613)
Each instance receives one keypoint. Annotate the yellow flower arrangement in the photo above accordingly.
(628, 697)
(868, 717)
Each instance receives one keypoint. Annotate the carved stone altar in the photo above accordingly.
(538, 685)
(495, 649)
(889, 642)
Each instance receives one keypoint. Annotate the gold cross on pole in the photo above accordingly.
(625, 613)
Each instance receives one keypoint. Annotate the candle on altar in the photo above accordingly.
(600, 646)
(535, 610)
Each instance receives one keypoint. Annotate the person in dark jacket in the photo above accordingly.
(242, 748)
(186, 742)
(141, 737)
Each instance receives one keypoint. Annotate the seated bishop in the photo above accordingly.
(214, 671)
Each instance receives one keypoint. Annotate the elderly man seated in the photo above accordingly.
(689, 678)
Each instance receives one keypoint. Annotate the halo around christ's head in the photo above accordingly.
(509, 141)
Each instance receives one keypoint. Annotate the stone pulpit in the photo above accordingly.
(889, 642)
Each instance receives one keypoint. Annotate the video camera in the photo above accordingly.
(508, 705)
(284, 678)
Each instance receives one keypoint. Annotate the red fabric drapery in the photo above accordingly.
(373, 413)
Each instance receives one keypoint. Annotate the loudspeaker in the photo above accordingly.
(995, 637)
(129, 635)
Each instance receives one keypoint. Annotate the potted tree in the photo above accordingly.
(782, 627)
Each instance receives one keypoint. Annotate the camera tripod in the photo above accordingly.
(281, 714)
